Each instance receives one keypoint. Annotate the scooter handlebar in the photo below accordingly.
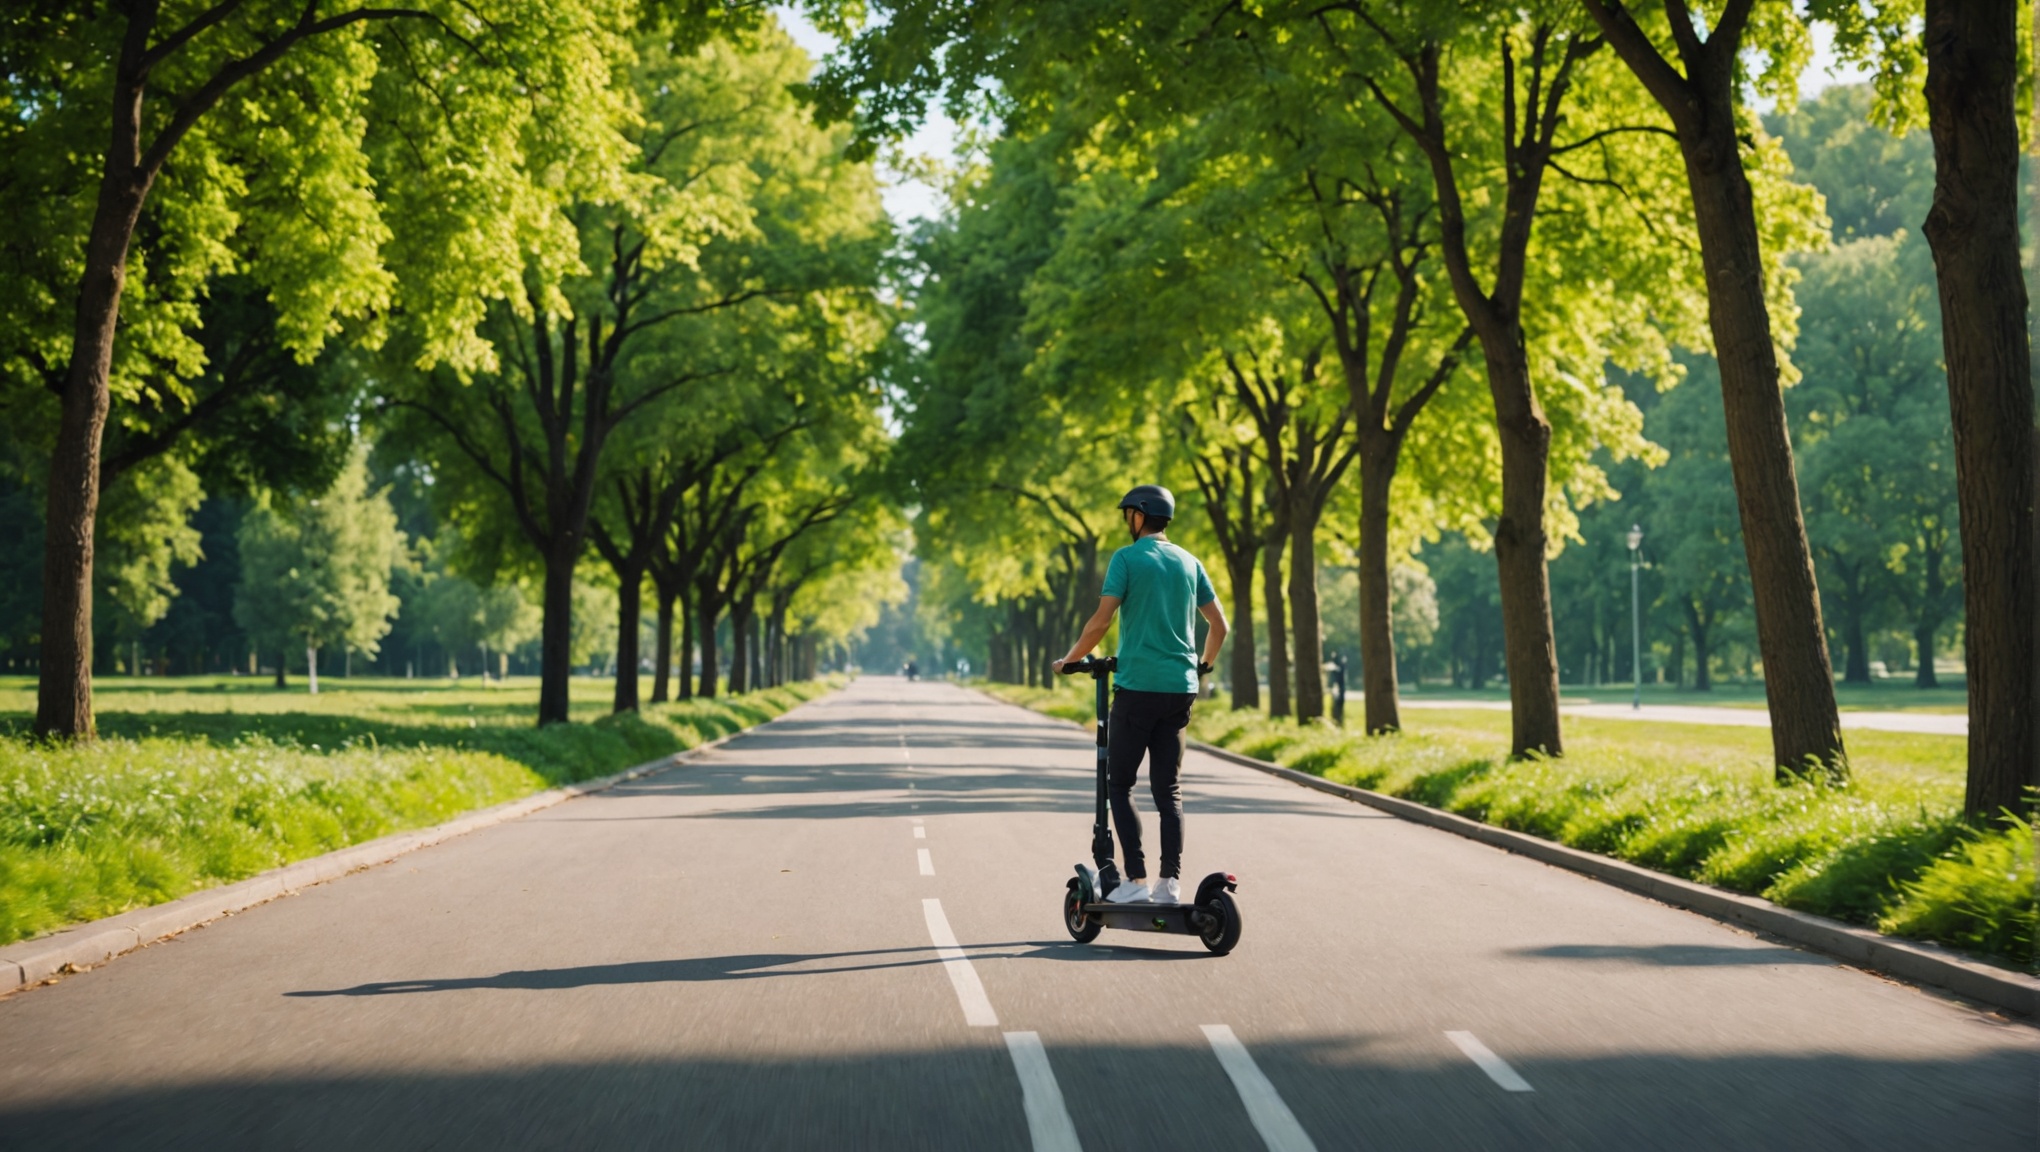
(1091, 664)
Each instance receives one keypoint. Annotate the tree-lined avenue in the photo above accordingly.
(737, 953)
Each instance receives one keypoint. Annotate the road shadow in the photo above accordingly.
(860, 790)
(755, 966)
(962, 1092)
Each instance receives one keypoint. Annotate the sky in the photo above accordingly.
(907, 200)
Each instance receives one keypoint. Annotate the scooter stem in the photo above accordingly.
(1101, 831)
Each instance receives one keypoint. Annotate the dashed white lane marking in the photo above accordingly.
(977, 1009)
(927, 862)
(1498, 1069)
(1271, 1117)
(920, 833)
(1048, 1121)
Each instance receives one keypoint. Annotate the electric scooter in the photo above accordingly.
(1213, 916)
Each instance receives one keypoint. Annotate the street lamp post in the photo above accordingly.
(1635, 616)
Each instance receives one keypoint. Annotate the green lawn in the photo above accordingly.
(1697, 801)
(203, 781)
(1895, 695)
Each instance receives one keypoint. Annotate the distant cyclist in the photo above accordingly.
(1162, 590)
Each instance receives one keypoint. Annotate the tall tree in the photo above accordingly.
(172, 127)
(1972, 51)
(1224, 468)
(741, 200)
(645, 499)
(320, 573)
(1698, 85)
(1529, 142)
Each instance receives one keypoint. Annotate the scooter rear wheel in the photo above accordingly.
(1083, 927)
(1224, 932)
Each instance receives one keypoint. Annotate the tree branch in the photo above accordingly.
(184, 35)
(196, 105)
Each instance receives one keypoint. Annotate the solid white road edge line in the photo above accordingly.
(1272, 1118)
(927, 862)
(1498, 1069)
(977, 1009)
(1048, 1120)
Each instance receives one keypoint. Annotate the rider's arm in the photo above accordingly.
(1215, 637)
(1094, 631)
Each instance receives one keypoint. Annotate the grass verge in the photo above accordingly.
(172, 801)
(1889, 850)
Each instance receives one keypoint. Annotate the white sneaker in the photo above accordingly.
(1129, 892)
(1168, 890)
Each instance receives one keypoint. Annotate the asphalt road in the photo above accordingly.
(743, 953)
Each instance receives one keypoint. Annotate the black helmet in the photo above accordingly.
(1151, 500)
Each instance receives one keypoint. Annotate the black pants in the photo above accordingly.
(1148, 724)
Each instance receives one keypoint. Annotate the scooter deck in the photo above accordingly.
(1144, 916)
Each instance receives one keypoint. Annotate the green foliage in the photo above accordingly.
(145, 532)
(364, 176)
(461, 616)
(320, 572)
(1980, 896)
(191, 790)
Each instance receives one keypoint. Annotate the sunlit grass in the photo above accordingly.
(193, 785)
(1889, 849)
(1891, 695)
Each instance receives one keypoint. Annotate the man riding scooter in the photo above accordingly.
(1157, 589)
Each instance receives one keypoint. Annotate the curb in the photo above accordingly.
(28, 963)
(1918, 963)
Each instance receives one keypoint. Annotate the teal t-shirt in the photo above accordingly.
(1160, 588)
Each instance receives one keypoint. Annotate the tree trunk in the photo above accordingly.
(1798, 678)
(556, 635)
(1377, 633)
(1973, 228)
(629, 614)
(709, 656)
(1923, 648)
(1696, 627)
(1246, 682)
(280, 664)
(757, 650)
(312, 668)
(662, 659)
(1856, 665)
(1529, 652)
(740, 647)
(71, 510)
(1278, 626)
(684, 666)
(1303, 608)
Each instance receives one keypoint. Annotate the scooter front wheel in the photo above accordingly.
(1223, 932)
(1083, 927)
